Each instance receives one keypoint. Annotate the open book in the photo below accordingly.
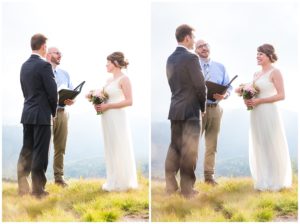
(65, 94)
(213, 88)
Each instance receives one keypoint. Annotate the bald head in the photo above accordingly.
(202, 49)
(54, 56)
(52, 49)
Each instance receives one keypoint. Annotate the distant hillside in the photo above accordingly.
(82, 201)
(84, 154)
(233, 200)
(232, 156)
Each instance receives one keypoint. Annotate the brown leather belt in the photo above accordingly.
(60, 109)
(211, 104)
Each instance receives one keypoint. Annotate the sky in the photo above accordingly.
(234, 30)
(85, 32)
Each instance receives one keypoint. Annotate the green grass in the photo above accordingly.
(233, 200)
(82, 201)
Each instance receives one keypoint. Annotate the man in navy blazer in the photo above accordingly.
(40, 101)
(188, 89)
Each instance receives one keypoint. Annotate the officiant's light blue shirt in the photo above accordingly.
(215, 72)
(62, 79)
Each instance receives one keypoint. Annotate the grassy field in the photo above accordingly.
(233, 200)
(83, 200)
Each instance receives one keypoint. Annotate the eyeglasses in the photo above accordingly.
(56, 52)
(192, 36)
(203, 46)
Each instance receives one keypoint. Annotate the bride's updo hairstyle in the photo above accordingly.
(118, 59)
(268, 50)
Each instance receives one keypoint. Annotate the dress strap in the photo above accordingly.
(271, 70)
(258, 76)
(121, 77)
(115, 80)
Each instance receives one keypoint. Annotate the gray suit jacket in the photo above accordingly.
(187, 85)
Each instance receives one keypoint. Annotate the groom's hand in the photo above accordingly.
(53, 120)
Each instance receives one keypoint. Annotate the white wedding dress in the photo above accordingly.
(269, 158)
(118, 150)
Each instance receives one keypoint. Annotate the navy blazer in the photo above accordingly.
(39, 90)
(187, 85)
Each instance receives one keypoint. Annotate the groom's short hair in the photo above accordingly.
(37, 41)
(182, 31)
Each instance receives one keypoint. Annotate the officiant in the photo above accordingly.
(211, 121)
(60, 123)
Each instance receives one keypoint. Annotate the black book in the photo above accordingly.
(65, 94)
(213, 88)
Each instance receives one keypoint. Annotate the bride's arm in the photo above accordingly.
(277, 80)
(126, 88)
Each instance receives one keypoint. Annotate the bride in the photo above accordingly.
(270, 163)
(119, 156)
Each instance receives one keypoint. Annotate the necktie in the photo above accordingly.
(55, 74)
(206, 70)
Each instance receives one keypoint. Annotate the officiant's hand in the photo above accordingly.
(219, 97)
(69, 102)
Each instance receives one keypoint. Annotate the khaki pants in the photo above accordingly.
(60, 133)
(211, 123)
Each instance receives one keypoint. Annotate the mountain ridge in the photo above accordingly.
(84, 152)
(232, 156)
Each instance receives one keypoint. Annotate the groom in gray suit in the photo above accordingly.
(188, 89)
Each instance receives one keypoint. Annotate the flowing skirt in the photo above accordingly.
(119, 157)
(269, 157)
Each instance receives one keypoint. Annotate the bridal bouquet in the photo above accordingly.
(97, 98)
(247, 91)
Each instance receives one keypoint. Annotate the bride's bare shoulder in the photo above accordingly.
(276, 72)
(124, 79)
(276, 75)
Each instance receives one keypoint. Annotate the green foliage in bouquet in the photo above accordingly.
(248, 91)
